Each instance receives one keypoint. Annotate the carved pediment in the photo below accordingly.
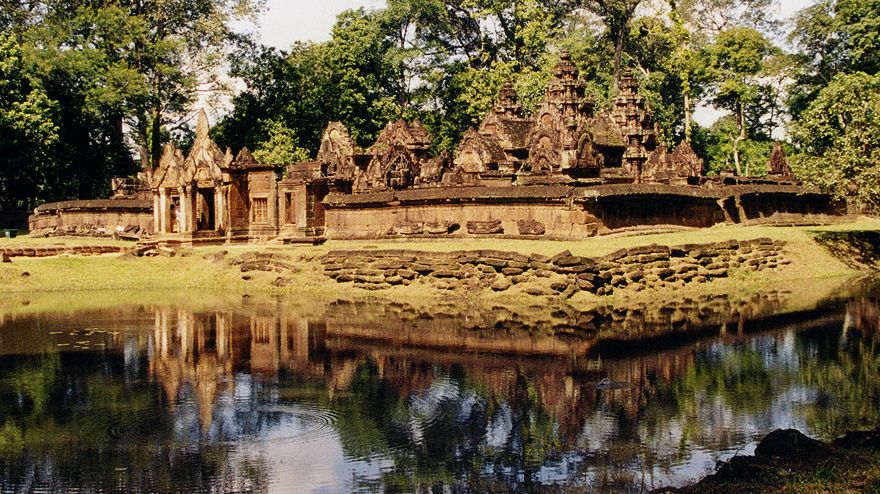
(337, 150)
(398, 132)
(205, 161)
(476, 152)
(170, 171)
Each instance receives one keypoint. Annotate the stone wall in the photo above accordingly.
(57, 250)
(99, 214)
(567, 211)
(651, 266)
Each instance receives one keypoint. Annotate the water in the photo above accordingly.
(266, 396)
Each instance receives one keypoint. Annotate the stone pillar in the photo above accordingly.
(273, 205)
(282, 207)
(185, 207)
(157, 212)
(162, 224)
(219, 213)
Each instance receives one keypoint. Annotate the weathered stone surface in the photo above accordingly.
(530, 227)
(501, 284)
(281, 281)
(493, 227)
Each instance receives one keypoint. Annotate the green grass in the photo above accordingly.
(812, 266)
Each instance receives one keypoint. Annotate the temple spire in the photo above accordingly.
(202, 126)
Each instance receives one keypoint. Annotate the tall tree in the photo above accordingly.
(617, 16)
(838, 137)
(737, 59)
(833, 37)
(28, 133)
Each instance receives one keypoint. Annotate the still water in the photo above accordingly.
(266, 396)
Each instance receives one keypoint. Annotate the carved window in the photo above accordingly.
(260, 209)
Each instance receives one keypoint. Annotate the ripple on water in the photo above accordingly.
(298, 422)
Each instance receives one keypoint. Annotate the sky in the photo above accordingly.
(287, 21)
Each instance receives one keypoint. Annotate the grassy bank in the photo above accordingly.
(190, 271)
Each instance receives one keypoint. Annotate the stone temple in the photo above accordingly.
(568, 170)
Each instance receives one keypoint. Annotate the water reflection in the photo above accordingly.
(359, 397)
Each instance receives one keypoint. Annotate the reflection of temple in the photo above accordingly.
(203, 351)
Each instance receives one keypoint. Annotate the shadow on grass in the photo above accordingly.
(856, 249)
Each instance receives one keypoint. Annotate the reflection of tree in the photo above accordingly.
(845, 365)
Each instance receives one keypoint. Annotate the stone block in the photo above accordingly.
(407, 274)
(559, 286)
(501, 284)
(484, 268)
(716, 273)
(511, 271)
(493, 227)
(530, 227)
(636, 275)
(664, 273)
(577, 269)
(493, 261)
(568, 261)
(586, 286)
(539, 265)
(562, 254)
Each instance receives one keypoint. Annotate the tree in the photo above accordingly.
(352, 78)
(280, 147)
(166, 54)
(833, 37)
(737, 60)
(617, 15)
(709, 18)
(28, 133)
(838, 137)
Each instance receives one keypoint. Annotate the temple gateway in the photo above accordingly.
(568, 170)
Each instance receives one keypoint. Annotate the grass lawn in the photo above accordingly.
(812, 266)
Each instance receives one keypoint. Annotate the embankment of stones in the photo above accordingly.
(57, 250)
(650, 266)
(93, 218)
(562, 211)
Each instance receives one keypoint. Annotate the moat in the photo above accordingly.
(264, 395)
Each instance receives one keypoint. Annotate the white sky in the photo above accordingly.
(287, 21)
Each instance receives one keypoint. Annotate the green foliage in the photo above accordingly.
(716, 145)
(833, 36)
(28, 134)
(838, 137)
(280, 147)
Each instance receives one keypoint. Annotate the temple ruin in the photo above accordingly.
(568, 170)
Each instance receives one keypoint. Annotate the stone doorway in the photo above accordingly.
(205, 214)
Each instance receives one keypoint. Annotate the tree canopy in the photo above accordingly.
(94, 89)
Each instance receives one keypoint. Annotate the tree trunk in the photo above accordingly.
(144, 143)
(618, 54)
(740, 121)
(156, 138)
(687, 117)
